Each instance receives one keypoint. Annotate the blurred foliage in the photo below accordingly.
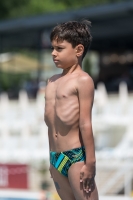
(8, 7)
(83, 3)
(87, 66)
(22, 8)
(11, 80)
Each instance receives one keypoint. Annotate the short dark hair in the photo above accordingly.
(73, 32)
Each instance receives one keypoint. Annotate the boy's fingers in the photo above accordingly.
(81, 176)
(84, 185)
(89, 186)
(87, 183)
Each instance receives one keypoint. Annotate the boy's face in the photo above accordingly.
(64, 55)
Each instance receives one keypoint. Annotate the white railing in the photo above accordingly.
(23, 133)
(114, 176)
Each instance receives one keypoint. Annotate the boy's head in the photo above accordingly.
(73, 32)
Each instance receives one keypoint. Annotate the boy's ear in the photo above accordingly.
(79, 50)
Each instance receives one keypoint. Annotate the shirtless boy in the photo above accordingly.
(69, 100)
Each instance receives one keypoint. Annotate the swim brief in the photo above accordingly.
(63, 160)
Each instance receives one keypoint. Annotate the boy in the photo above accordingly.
(69, 99)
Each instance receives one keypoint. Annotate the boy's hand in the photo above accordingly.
(87, 175)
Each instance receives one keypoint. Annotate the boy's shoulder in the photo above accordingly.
(54, 77)
(85, 77)
(85, 82)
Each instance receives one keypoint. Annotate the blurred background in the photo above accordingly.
(25, 66)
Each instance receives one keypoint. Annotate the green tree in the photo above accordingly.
(7, 7)
(83, 3)
(22, 8)
(87, 66)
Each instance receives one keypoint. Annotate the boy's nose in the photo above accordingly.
(53, 52)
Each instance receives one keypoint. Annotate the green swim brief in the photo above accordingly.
(63, 160)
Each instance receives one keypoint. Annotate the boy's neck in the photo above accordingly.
(72, 69)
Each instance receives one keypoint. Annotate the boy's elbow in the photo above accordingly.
(85, 126)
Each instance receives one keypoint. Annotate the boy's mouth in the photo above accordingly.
(56, 61)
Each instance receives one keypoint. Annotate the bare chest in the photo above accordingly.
(61, 103)
(60, 90)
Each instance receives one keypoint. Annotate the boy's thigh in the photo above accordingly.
(76, 185)
(61, 184)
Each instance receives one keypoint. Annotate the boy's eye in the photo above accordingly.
(56, 48)
(59, 48)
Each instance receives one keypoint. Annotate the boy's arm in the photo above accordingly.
(86, 96)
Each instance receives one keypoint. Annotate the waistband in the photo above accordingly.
(78, 148)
